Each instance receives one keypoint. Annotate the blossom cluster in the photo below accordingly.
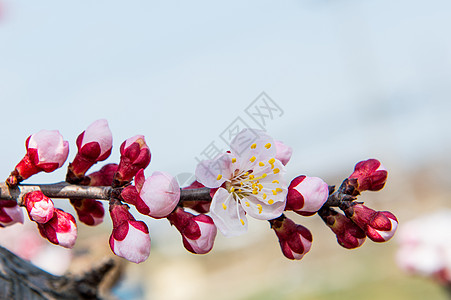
(246, 181)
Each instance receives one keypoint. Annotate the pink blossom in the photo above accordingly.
(295, 240)
(306, 195)
(198, 232)
(40, 208)
(10, 213)
(94, 145)
(249, 180)
(60, 230)
(283, 152)
(130, 238)
(135, 155)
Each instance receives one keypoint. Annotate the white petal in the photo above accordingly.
(251, 143)
(135, 247)
(213, 173)
(260, 210)
(99, 132)
(232, 220)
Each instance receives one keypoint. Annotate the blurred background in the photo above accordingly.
(348, 80)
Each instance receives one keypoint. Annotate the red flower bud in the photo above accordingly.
(103, 177)
(40, 208)
(379, 226)
(10, 213)
(94, 145)
(60, 230)
(135, 155)
(368, 175)
(46, 151)
(306, 195)
(295, 240)
(198, 232)
(349, 235)
(130, 238)
(89, 211)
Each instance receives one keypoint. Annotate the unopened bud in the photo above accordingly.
(379, 226)
(295, 240)
(60, 230)
(40, 208)
(94, 145)
(368, 175)
(89, 211)
(135, 155)
(10, 213)
(306, 195)
(46, 151)
(198, 232)
(129, 239)
(349, 235)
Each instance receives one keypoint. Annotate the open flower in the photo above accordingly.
(249, 181)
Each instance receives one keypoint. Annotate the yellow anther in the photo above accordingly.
(219, 177)
(272, 160)
(274, 192)
(272, 166)
(260, 186)
(247, 204)
(270, 201)
(232, 189)
(264, 196)
(267, 146)
(240, 190)
(247, 173)
(233, 160)
(242, 222)
(252, 159)
(264, 175)
(275, 181)
(276, 170)
(251, 176)
(224, 206)
(255, 192)
(260, 208)
(261, 164)
(241, 183)
(279, 190)
(253, 146)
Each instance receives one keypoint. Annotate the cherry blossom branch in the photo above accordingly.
(64, 190)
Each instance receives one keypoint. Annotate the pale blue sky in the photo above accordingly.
(356, 79)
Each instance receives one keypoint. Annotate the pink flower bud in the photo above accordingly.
(89, 211)
(368, 175)
(161, 193)
(283, 152)
(157, 196)
(46, 151)
(349, 235)
(295, 240)
(10, 213)
(198, 232)
(94, 145)
(40, 208)
(60, 230)
(306, 195)
(379, 226)
(135, 155)
(130, 239)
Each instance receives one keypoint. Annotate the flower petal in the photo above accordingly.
(251, 146)
(228, 216)
(260, 210)
(213, 173)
